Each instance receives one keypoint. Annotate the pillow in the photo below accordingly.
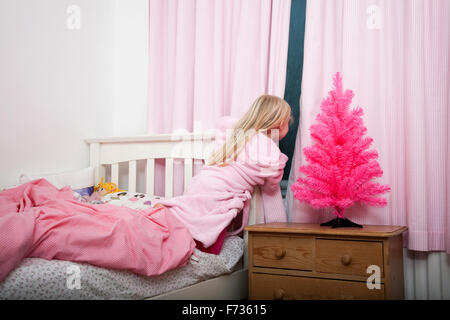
(77, 179)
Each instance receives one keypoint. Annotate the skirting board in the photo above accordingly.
(232, 286)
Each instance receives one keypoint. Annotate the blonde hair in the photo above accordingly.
(267, 112)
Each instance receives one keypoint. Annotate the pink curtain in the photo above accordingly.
(394, 56)
(212, 58)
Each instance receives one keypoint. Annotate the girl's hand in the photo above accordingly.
(158, 205)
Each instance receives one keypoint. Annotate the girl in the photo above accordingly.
(248, 156)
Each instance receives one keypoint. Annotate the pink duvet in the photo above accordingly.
(39, 220)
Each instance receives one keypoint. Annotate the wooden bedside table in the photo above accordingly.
(307, 261)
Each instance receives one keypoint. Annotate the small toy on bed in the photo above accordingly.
(106, 187)
(99, 191)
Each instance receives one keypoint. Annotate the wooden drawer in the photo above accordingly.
(285, 252)
(348, 257)
(268, 287)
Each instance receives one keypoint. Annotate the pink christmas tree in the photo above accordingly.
(340, 166)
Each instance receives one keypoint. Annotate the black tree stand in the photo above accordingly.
(341, 223)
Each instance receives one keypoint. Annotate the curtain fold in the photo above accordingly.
(394, 56)
(212, 58)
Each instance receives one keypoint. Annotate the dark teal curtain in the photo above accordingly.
(294, 75)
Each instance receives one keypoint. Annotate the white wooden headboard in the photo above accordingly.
(188, 147)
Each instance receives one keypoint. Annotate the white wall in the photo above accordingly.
(59, 86)
(131, 62)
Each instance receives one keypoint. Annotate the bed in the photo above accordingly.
(205, 277)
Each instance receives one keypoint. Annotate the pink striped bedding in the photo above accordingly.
(39, 220)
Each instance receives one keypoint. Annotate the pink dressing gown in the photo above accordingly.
(217, 194)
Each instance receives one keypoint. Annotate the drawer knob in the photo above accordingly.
(280, 253)
(278, 294)
(346, 259)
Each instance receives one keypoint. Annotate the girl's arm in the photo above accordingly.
(270, 162)
(274, 210)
